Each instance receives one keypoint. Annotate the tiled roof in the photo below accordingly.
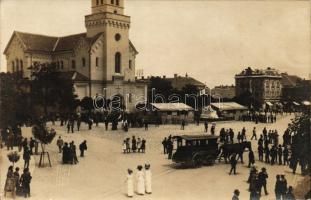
(50, 44)
(69, 42)
(36, 42)
(179, 82)
(73, 75)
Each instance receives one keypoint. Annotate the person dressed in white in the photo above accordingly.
(148, 179)
(130, 183)
(124, 146)
(140, 181)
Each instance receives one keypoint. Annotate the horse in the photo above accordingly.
(226, 150)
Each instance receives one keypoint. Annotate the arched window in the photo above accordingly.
(17, 65)
(61, 64)
(96, 61)
(102, 2)
(73, 64)
(115, 11)
(117, 2)
(97, 2)
(117, 59)
(21, 64)
(112, 1)
(130, 64)
(13, 66)
(83, 62)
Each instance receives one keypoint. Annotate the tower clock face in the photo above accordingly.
(117, 37)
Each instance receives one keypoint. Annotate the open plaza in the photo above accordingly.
(101, 174)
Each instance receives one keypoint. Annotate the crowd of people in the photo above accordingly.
(143, 181)
(136, 145)
(265, 117)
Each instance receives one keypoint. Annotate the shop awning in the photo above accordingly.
(306, 103)
(269, 103)
(295, 103)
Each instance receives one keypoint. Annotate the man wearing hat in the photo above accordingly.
(236, 194)
(262, 179)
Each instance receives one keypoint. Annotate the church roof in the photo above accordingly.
(36, 42)
(73, 75)
(50, 44)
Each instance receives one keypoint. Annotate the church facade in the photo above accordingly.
(100, 61)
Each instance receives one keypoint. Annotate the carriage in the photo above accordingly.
(196, 150)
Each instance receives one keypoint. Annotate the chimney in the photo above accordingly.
(164, 77)
(175, 75)
(142, 77)
(186, 75)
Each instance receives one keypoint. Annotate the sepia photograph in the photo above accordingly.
(155, 99)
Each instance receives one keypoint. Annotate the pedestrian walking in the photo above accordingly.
(283, 186)
(183, 123)
(134, 147)
(278, 188)
(148, 179)
(25, 180)
(143, 145)
(260, 152)
(285, 156)
(251, 158)
(164, 143)
(262, 178)
(130, 183)
(279, 152)
(26, 157)
(60, 144)
(205, 126)
(124, 146)
(31, 145)
(82, 147)
(140, 181)
(254, 134)
(233, 163)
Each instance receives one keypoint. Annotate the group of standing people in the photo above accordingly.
(143, 181)
(21, 183)
(69, 153)
(138, 145)
(168, 146)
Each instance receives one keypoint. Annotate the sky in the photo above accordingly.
(209, 40)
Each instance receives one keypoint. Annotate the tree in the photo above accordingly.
(157, 85)
(45, 136)
(301, 140)
(49, 87)
(14, 100)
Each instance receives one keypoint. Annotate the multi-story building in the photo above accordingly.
(264, 86)
(101, 60)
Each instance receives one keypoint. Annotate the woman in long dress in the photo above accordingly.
(148, 179)
(140, 181)
(130, 183)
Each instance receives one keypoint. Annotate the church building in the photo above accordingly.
(100, 61)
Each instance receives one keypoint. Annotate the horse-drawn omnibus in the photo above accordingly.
(196, 150)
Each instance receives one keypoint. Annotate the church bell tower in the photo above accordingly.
(108, 18)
